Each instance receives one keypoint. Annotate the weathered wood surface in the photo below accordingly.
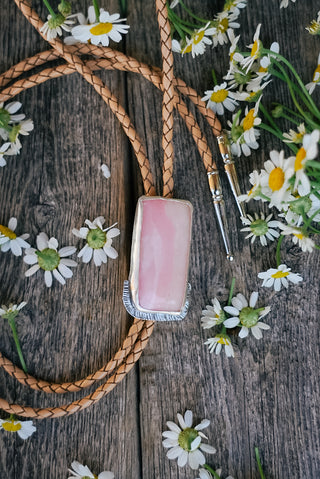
(268, 396)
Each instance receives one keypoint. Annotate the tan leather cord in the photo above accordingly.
(140, 331)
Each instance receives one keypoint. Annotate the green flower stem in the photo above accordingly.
(233, 282)
(199, 19)
(269, 118)
(176, 26)
(271, 130)
(16, 340)
(278, 255)
(123, 7)
(179, 20)
(256, 450)
(289, 118)
(96, 9)
(208, 468)
(292, 112)
(51, 11)
(214, 77)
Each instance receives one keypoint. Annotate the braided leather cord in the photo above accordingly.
(140, 331)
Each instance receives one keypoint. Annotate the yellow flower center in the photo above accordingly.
(10, 426)
(223, 341)
(224, 24)
(219, 96)
(298, 235)
(198, 37)
(101, 28)
(262, 70)
(276, 179)
(7, 232)
(280, 274)
(299, 159)
(255, 48)
(316, 73)
(248, 121)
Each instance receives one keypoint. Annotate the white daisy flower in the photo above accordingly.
(265, 61)
(184, 441)
(314, 27)
(234, 5)
(105, 170)
(196, 45)
(12, 310)
(315, 79)
(234, 54)
(98, 241)
(308, 151)
(223, 22)
(79, 471)
(285, 3)
(295, 136)
(204, 474)
(298, 237)
(10, 241)
(212, 315)
(275, 184)
(108, 27)
(215, 345)
(248, 123)
(3, 150)
(253, 193)
(246, 316)
(24, 429)
(52, 261)
(256, 48)
(220, 98)
(54, 27)
(278, 277)
(238, 141)
(7, 113)
(261, 227)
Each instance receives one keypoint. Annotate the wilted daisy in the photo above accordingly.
(308, 151)
(220, 98)
(295, 136)
(261, 227)
(52, 261)
(11, 311)
(285, 3)
(79, 471)
(98, 241)
(246, 316)
(278, 277)
(184, 441)
(54, 26)
(256, 48)
(315, 79)
(24, 429)
(299, 237)
(107, 27)
(314, 27)
(253, 193)
(275, 184)
(223, 22)
(215, 345)
(10, 241)
(212, 315)
(3, 151)
(196, 45)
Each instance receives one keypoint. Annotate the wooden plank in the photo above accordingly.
(67, 332)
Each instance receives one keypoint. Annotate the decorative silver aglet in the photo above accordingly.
(219, 206)
(230, 169)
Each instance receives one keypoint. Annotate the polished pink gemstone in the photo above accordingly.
(164, 253)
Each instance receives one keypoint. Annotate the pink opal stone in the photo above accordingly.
(164, 254)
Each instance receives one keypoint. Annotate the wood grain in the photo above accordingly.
(268, 396)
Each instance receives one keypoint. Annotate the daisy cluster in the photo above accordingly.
(239, 313)
(198, 33)
(12, 125)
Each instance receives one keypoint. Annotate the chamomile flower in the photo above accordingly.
(299, 237)
(212, 315)
(275, 184)
(237, 140)
(52, 261)
(98, 241)
(278, 277)
(248, 123)
(285, 3)
(108, 27)
(8, 114)
(256, 49)
(223, 22)
(185, 441)
(308, 151)
(215, 345)
(24, 429)
(234, 5)
(196, 45)
(246, 315)
(12, 310)
(314, 27)
(54, 26)
(265, 61)
(295, 136)
(315, 79)
(261, 227)
(234, 54)
(3, 151)
(79, 471)
(254, 192)
(9, 239)
(220, 98)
